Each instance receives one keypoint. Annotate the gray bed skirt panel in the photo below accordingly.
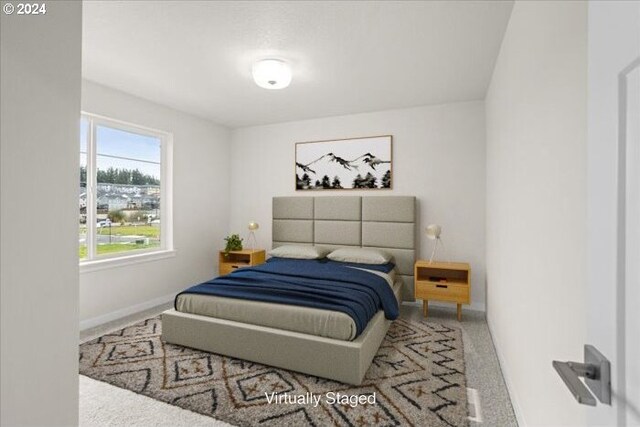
(344, 361)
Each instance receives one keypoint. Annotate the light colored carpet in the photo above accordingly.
(416, 378)
(102, 404)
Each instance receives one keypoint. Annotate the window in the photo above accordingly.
(124, 192)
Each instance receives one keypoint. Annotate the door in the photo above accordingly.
(630, 97)
(613, 311)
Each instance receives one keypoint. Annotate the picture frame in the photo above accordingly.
(361, 163)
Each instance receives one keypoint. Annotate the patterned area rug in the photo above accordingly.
(417, 379)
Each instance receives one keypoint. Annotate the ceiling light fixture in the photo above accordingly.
(272, 74)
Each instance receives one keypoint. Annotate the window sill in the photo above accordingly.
(121, 261)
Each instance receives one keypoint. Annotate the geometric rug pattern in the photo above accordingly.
(417, 378)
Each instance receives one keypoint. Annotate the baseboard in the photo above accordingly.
(124, 312)
(504, 367)
(474, 306)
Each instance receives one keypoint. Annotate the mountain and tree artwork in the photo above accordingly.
(355, 163)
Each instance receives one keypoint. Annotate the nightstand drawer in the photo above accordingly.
(228, 268)
(442, 291)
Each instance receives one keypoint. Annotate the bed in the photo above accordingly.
(260, 331)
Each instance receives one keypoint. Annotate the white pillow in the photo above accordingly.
(299, 252)
(360, 256)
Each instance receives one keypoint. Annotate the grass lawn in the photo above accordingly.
(111, 248)
(130, 230)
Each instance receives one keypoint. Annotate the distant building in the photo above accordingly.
(113, 197)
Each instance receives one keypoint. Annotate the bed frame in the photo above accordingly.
(384, 222)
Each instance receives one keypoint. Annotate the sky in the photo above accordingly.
(114, 142)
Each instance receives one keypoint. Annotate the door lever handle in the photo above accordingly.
(597, 374)
(570, 373)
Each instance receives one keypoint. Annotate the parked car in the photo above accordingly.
(103, 223)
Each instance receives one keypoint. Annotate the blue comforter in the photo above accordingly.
(309, 283)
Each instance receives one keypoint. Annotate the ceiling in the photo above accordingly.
(347, 57)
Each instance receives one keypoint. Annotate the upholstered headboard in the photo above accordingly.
(382, 222)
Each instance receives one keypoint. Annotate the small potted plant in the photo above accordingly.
(234, 243)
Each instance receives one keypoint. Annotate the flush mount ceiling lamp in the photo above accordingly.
(272, 74)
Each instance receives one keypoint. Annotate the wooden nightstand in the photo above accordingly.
(442, 281)
(239, 259)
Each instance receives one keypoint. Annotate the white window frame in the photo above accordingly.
(98, 262)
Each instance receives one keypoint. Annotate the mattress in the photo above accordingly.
(307, 320)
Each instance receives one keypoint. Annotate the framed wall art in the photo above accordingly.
(344, 164)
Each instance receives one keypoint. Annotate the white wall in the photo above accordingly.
(40, 104)
(536, 206)
(438, 156)
(201, 209)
